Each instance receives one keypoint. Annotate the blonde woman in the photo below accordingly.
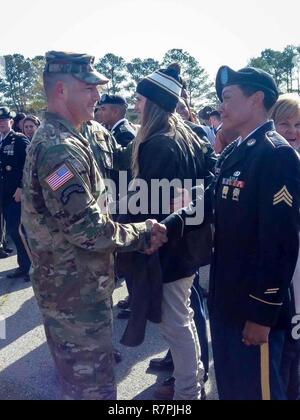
(286, 115)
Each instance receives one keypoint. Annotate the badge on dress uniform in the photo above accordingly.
(8, 168)
(251, 142)
(225, 192)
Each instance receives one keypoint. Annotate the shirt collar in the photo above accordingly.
(118, 123)
(252, 132)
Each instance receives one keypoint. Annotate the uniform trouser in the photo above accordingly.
(290, 370)
(12, 216)
(2, 230)
(198, 306)
(179, 331)
(81, 345)
(246, 373)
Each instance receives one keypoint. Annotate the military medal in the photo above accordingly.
(251, 142)
(225, 192)
(236, 194)
(8, 168)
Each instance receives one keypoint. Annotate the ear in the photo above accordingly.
(60, 89)
(258, 98)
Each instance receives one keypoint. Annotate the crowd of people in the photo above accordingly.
(73, 240)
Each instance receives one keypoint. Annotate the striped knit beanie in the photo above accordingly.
(163, 87)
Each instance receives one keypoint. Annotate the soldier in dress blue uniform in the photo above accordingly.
(111, 112)
(257, 200)
(12, 158)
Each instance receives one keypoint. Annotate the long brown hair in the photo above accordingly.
(156, 121)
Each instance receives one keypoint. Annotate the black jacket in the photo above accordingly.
(124, 133)
(12, 160)
(163, 157)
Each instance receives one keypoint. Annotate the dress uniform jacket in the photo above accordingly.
(12, 159)
(124, 132)
(257, 200)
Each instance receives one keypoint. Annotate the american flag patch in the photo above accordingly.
(59, 178)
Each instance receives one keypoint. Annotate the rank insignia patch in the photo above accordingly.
(283, 196)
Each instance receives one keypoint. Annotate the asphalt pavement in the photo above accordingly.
(27, 371)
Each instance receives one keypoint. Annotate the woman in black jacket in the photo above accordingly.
(166, 149)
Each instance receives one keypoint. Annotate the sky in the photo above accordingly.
(215, 32)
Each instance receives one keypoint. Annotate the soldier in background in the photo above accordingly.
(111, 112)
(12, 158)
(71, 239)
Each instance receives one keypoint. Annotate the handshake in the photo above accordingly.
(158, 236)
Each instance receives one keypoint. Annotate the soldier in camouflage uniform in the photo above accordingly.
(71, 240)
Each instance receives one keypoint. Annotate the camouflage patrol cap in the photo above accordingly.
(6, 113)
(248, 76)
(80, 66)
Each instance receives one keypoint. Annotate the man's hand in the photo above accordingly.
(18, 195)
(158, 236)
(255, 335)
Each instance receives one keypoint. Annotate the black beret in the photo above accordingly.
(6, 113)
(248, 76)
(112, 100)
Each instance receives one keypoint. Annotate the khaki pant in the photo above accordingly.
(179, 330)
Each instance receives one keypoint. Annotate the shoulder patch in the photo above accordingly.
(72, 189)
(59, 178)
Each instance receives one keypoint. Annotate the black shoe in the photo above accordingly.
(162, 364)
(17, 274)
(169, 381)
(117, 356)
(124, 304)
(8, 250)
(3, 254)
(125, 314)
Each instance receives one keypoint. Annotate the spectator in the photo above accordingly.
(286, 115)
(30, 125)
(18, 122)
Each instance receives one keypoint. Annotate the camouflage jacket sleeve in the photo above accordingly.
(68, 184)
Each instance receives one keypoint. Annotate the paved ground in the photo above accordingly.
(26, 367)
